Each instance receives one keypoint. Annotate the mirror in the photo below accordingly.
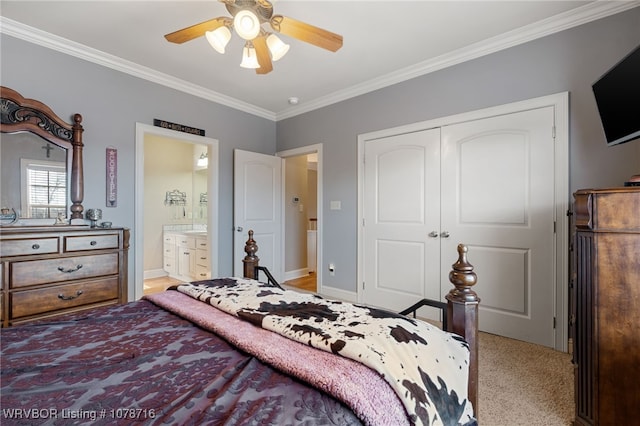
(41, 158)
(34, 176)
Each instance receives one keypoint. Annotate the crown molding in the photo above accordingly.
(69, 47)
(573, 18)
(581, 15)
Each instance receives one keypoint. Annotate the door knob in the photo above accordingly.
(433, 234)
(444, 234)
(239, 229)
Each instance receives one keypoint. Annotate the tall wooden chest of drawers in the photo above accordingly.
(47, 271)
(607, 304)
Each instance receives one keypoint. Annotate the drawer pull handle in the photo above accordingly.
(63, 297)
(35, 246)
(93, 243)
(68, 271)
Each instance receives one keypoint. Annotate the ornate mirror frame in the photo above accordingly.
(20, 114)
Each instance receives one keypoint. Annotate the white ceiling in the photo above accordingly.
(385, 42)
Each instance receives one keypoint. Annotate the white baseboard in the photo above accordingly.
(296, 273)
(336, 293)
(154, 273)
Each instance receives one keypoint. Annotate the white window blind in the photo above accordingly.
(44, 189)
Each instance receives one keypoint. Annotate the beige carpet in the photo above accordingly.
(523, 384)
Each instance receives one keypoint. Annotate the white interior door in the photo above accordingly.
(498, 199)
(257, 205)
(401, 219)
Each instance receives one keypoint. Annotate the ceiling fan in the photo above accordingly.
(261, 46)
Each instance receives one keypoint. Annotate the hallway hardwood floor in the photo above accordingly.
(307, 283)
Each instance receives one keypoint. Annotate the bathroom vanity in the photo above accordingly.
(186, 255)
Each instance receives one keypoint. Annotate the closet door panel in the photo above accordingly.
(498, 198)
(402, 208)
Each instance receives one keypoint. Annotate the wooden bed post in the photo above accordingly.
(250, 260)
(462, 315)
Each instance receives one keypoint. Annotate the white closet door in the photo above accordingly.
(498, 199)
(401, 209)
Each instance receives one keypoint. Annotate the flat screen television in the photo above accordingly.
(617, 95)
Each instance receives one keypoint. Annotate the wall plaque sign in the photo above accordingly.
(112, 177)
(177, 127)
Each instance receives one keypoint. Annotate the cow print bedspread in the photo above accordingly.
(427, 367)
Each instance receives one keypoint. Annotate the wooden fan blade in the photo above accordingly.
(305, 32)
(196, 30)
(262, 53)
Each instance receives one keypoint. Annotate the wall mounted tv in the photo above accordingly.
(617, 95)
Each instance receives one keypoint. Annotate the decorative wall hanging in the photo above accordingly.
(175, 198)
(177, 127)
(112, 177)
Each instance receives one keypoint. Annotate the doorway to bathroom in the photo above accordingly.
(176, 190)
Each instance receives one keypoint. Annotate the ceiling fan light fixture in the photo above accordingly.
(246, 24)
(262, 47)
(277, 47)
(219, 38)
(249, 57)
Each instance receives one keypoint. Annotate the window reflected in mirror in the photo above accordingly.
(44, 188)
(34, 176)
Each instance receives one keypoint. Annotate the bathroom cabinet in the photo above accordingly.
(186, 255)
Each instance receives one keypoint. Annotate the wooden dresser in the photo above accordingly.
(607, 306)
(47, 271)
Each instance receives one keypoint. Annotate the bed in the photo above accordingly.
(238, 351)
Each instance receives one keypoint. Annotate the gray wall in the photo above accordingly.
(568, 61)
(111, 103)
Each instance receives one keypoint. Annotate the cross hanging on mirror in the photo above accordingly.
(48, 147)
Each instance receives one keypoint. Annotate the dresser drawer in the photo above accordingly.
(90, 242)
(42, 300)
(29, 246)
(27, 273)
(51, 270)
